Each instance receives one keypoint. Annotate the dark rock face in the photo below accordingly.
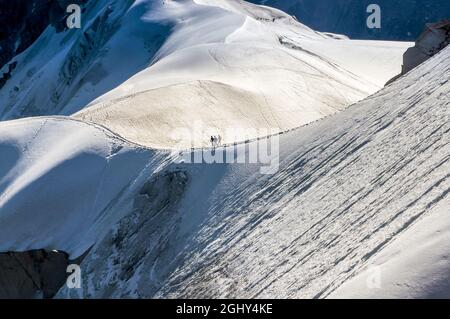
(23, 21)
(32, 274)
(400, 20)
(7, 75)
(433, 39)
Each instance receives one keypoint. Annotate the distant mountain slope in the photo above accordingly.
(349, 191)
(23, 21)
(62, 71)
(401, 20)
(264, 70)
(147, 68)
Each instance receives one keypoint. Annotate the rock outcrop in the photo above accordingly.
(433, 39)
(32, 274)
(138, 245)
(23, 22)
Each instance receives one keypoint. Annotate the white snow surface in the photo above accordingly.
(58, 181)
(367, 186)
(151, 67)
(415, 265)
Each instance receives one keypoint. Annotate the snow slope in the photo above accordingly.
(351, 191)
(60, 180)
(148, 68)
(415, 265)
(362, 187)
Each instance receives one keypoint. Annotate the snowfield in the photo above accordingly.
(210, 63)
(58, 180)
(356, 189)
(415, 265)
(366, 187)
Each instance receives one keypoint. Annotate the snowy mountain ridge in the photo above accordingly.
(229, 63)
(100, 174)
(342, 194)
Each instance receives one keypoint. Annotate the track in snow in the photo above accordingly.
(347, 187)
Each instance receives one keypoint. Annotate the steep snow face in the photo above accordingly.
(148, 68)
(23, 21)
(347, 187)
(60, 180)
(63, 71)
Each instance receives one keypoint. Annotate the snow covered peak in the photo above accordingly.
(145, 68)
(345, 187)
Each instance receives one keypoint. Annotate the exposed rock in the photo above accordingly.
(23, 21)
(433, 39)
(140, 241)
(32, 274)
(5, 77)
